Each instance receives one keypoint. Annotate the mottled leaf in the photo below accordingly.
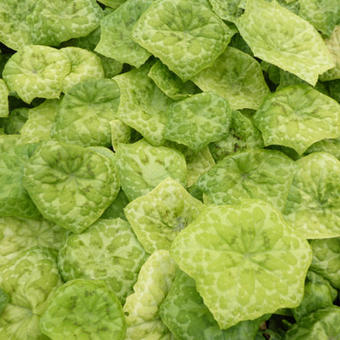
(313, 202)
(261, 174)
(116, 30)
(36, 71)
(237, 77)
(245, 259)
(298, 116)
(184, 34)
(143, 166)
(157, 217)
(142, 307)
(84, 308)
(142, 104)
(289, 42)
(71, 186)
(108, 251)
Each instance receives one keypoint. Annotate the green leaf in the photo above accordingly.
(40, 120)
(288, 42)
(54, 22)
(198, 163)
(245, 259)
(322, 324)
(318, 294)
(298, 116)
(15, 31)
(108, 251)
(184, 34)
(237, 77)
(326, 259)
(3, 99)
(120, 133)
(4, 299)
(170, 83)
(30, 277)
(228, 10)
(116, 30)
(29, 280)
(334, 89)
(333, 44)
(198, 121)
(111, 67)
(331, 146)
(185, 314)
(142, 104)
(36, 71)
(157, 217)
(142, 307)
(86, 112)
(242, 136)
(15, 121)
(116, 209)
(71, 186)
(17, 235)
(313, 202)
(322, 14)
(261, 174)
(84, 308)
(14, 199)
(143, 166)
(112, 3)
(84, 65)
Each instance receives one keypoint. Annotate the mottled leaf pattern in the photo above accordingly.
(84, 308)
(142, 307)
(86, 112)
(160, 215)
(84, 65)
(198, 120)
(237, 77)
(143, 166)
(142, 104)
(289, 42)
(22, 234)
(262, 174)
(170, 27)
(72, 186)
(326, 259)
(313, 203)
(108, 251)
(245, 259)
(116, 30)
(298, 116)
(170, 83)
(36, 71)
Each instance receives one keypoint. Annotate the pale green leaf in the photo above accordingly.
(313, 202)
(288, 42)
(237, 77)
(36, 71)
(157, 217)
(297, 116)
(245, 259)
(184, 34)
(142, 104)
(71, 186)
(84, 308)
(86, 112)
(198, 121)
(142, 307)
(258, 173)
(143, 166)
(116, 30)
